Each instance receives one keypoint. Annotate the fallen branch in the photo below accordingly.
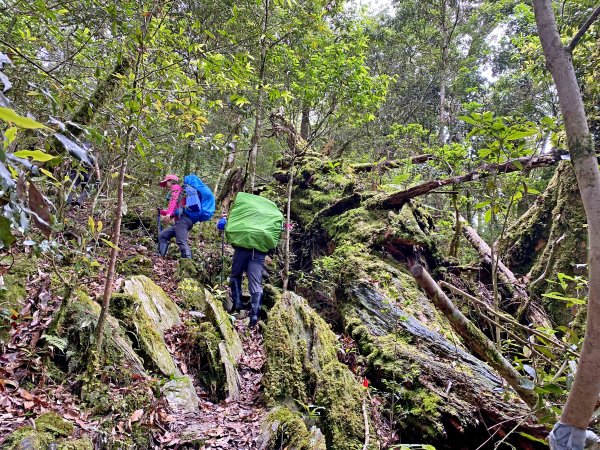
(507, 318)
(475, 339)
(366, 417)
(389, 164)
(507, 278)
(515, 165)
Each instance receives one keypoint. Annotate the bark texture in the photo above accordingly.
(586, 387)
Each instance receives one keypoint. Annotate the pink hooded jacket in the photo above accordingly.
(174, 202)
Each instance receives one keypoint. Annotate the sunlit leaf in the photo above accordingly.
(10, 116)
(36, 155)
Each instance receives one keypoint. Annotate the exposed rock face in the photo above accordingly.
(302, 364)
(220, 342)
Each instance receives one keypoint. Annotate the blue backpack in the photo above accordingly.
(199, 199)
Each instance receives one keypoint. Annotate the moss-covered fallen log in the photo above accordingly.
(360, 254)
(526, 163)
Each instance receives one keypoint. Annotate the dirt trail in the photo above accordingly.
(229, 424)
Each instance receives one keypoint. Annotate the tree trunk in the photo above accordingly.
(305, 123)
(86, 111)
(475, 339)
(255, 141)
(586, 387)
(399, 198)
(114, 251)
(549, 239)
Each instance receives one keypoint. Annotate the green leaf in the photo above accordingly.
(482, 204)
(518, 164)
(488, 215)
(5, 235)
(514, 135)
(110, 244)
(10, 116)
(10, 135)
(36, 155)
(467, 119)
(532, 438)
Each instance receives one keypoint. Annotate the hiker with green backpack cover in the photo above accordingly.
(253, 229)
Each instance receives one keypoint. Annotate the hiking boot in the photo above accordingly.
(236, 294)
(255, 302)
(187, 253)
(162, 248)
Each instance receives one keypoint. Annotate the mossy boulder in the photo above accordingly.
(302, 367)
(157, 306)
(50, 431)
(148, 341)
(284, 428)
(135, 265)
(78, 327)
(13, 291)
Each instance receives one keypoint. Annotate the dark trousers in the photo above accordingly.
(252, 262)
(80, 179)
(180, 232)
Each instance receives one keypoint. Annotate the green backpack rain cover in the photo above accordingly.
(254, 223)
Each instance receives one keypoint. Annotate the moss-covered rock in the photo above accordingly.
(136, 265)
(159, 308)
(13, 291)
(78, 328)
(302, 367)
(148, 341)
(50, 430)
(283, 428)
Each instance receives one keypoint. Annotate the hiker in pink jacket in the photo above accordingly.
(183, 223)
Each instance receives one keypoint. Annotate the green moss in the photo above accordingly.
(13, 292)
(192, 294)
(302, 365)
(136, 265)
(27, 438)
(49, 428)
(77, 444)
(53, 423)
(286, 429)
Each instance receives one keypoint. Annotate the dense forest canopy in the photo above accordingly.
(435, 165)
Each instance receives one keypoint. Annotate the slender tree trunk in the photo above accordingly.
(305, 123)
(114, 251)
(288, 227)
(229, 158)
(443, 136)
(586, 387)
(255, 141)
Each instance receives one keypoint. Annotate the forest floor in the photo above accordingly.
(28, 389)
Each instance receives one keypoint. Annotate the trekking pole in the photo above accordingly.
(159, 227)
(222, 254)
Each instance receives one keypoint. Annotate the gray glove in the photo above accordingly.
(567, 437)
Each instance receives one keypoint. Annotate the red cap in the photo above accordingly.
(169, 177)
